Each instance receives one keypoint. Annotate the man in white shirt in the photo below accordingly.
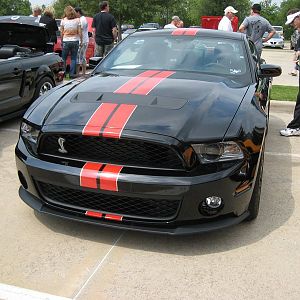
(174, 24)
(225, 23)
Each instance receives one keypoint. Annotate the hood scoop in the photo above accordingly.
(151, 101)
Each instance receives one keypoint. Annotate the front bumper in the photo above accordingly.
(190, 191)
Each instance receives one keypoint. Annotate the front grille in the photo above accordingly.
(115, 151)
(159, 209)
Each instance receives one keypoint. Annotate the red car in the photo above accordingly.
(91, 45)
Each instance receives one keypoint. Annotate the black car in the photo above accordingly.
(167, 136)
(26, 70)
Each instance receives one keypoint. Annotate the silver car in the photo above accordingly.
(275, 42)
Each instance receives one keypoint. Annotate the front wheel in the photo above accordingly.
(253, 208)
(44, 85)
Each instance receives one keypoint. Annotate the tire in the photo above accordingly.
(44, 85)
(253, 208)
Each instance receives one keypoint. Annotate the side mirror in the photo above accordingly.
(267, 70)
(94, 61)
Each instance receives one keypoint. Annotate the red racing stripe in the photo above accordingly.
(109, 178)
(130, 85)
(151, 83)
(97, 120)
(191, 31)
(88, 175)
(114, 217)
(178, 31)
(94, 214)
(116, 124)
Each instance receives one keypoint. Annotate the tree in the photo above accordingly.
(216, 8)
(270, 11)
(15, 7)
(284, 8)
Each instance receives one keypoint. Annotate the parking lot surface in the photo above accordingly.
(44, 257)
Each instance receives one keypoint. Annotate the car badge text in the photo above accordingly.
(61, 141)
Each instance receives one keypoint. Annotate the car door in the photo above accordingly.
(11, 75)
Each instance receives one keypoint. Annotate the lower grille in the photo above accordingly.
(158, 209)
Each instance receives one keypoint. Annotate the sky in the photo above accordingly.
(47, 2)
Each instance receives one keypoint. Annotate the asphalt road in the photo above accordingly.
(44, 256)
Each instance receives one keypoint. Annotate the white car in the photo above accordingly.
(276, 41)
(279, 29)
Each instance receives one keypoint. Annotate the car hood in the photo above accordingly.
(182, 108)
(23, 31)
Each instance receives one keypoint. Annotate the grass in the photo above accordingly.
(284, 93)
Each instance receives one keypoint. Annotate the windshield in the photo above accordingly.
(278, 28)
(190, 54)
(275, 36)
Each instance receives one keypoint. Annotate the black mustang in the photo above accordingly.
(26, 71)
(166, 136)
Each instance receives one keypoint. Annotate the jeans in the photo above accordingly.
(72, 48)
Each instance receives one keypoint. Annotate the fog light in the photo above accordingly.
(211, 206)
(213, 202)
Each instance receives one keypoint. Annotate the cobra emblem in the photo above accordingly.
(61, 142)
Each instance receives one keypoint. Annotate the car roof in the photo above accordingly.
(26, 20)
(196, 32)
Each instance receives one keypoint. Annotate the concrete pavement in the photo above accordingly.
(283, 58)
(258, 260)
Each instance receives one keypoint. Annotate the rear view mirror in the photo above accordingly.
(267, 70)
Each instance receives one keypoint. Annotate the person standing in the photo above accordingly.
(36, 12)
(174, 23)
(105, 30)
(81, 58)
(71, 38)
(293, 128)
(50, 23)
(225, 23)
(255, 26)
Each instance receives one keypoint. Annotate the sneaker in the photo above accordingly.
(290, 132)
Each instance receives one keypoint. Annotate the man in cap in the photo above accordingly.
(174, 24)
(255, 26)
(293, 128)
(225, 23)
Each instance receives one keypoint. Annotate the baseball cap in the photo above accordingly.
(290, 18)
(175, 18)
(230, 9)
(256, 7)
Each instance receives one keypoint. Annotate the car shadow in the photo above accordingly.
(277, 206)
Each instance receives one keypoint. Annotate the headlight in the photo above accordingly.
(218, 152)
(30, 136)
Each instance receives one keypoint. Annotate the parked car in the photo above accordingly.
(125, 27)
(294, 38)
(275, 42)
(150, 25)
(167, 135)
(91, 45)
(26, 72)
(279, 30)
(127, 32)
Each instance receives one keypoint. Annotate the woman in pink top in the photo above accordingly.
(71, 38)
